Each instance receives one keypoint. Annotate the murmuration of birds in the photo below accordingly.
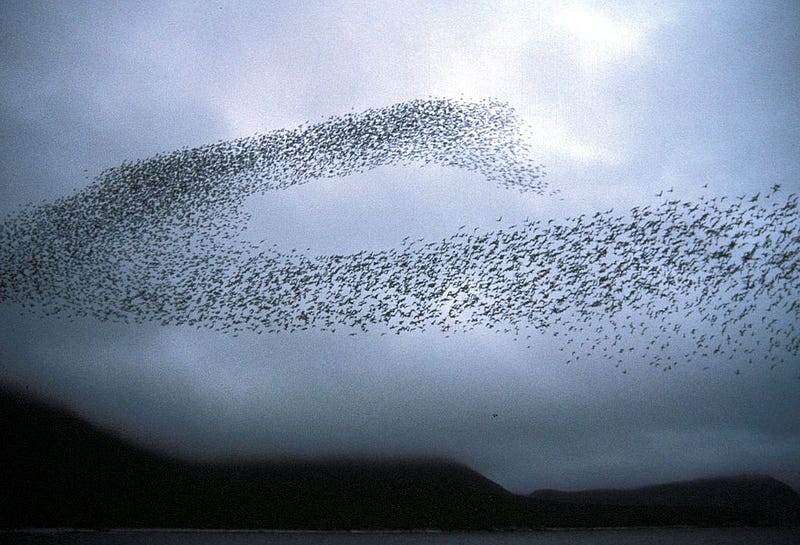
(159, 240)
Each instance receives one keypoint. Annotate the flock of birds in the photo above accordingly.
(159, 240)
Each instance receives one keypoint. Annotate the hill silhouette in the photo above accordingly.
(755, 493)
(58, 471)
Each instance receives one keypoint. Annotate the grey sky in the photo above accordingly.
(622, 100)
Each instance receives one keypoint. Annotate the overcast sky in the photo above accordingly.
(622, 100)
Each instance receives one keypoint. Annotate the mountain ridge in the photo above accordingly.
(58, 471)
(753, 491)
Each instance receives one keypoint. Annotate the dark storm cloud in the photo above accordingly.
(706, 94)
(417, 393)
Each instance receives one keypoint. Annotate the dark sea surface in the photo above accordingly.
(659, 536)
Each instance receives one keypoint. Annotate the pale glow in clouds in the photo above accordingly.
(490, 63)
(601, 39)
(545, 59)
(549, 135)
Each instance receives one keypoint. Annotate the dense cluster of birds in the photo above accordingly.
(158, 239)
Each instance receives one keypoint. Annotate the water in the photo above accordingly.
(670, 536)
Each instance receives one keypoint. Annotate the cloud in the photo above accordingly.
(600, 39)
(676, 96)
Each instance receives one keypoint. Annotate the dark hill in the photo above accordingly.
(58, 471)
(755, 493)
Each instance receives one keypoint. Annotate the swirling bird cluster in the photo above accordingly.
(159, 240)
